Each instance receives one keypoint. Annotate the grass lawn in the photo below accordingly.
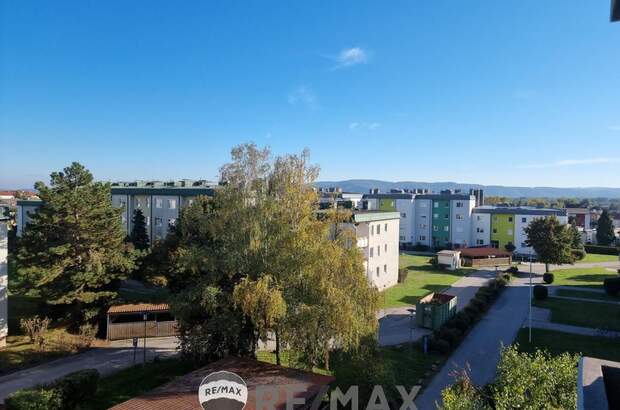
(586, 295)
(582, 277)
(422, 279)
(595, 257)
(559, 342)
(133, 381)
(586, 314)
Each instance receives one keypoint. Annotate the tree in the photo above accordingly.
(576, 242)
(73, 250)
(139, 237)
(605, 234)
(551, 240)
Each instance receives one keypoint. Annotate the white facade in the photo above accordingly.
(460, 222)
(4, 282)
(406, 208)
(23, 212)
(481, 229)
(423, 222)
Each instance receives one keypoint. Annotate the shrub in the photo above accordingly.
(489, 292)
(36, 329)
(612, 286)
(540, 292)
(603, 250)
(513, 270)
(402, 275)
(77, 387)
(451, 334)
(578, 254)
(442, 346)
(473, 312)
(461, 321)
(85, 337)
(500, 282)
(510, 247)
(548, 278)
(34, 399)
(479, 303)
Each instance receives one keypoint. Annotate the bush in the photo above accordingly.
(442, 346)
(603, 250)
(540, 292)
(510, 247)
(489, 292)
(34, 399)
(548, 278)
(77, 387)
(512, 270)
(473, 312)
(452, 335)
(402, 275)
(461, 321)
(36, 329)
(578, 254)
(612, 286)
(500, 283)
(479, 303)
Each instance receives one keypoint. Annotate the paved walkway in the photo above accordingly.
(395, 323)
(481, 347)
(107, 360)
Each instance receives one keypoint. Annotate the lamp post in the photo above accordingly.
(144, 317)
(530, 307)
(411, 326)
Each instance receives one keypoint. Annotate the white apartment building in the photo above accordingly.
(4, 281)
(401, 202)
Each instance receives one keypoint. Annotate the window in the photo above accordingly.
(509, 231)
(172, 204)
(446, 216)
(385, 228)
(371, 250)
(423, 216)
(435, 204)
(402, 238)
(480, 230)
(479, 241)
(459, 204)
(523, 220)
(435, 228)
(422, 226)
(377, 271)
(510, 219)
(385, 248)
(372, 229)
(446, 228)
(171, 222)
(148, 220)
(378, 250)
(378, 229)
(384, 268)
(403, 215)
(478, 218)
(422, 237)
(159, 203)
(159, 222)
(459, 216)
(494, 230)
(435, 216)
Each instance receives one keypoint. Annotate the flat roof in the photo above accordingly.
(27, 202)
(390, 195)
(182, 392)
(174, 191)
(466, 197)
(371, 216)
(518, 210)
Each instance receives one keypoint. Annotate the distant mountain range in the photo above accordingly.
(364, 185)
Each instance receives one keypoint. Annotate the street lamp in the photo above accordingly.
(530, 308)
(410, 310)
(144, 317)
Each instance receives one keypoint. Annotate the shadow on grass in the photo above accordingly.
(589, 278)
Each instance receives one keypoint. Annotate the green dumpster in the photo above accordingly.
(434, 310)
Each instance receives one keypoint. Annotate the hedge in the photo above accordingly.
(603, 250)
(66, 393)
(612, 286)
(540, 292)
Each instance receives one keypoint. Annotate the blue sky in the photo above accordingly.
(522, 92)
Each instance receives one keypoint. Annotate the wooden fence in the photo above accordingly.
(486, 262)
(128, 330)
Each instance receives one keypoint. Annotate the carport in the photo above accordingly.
(140, 320)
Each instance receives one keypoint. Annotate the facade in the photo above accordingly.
(376, 233)
(334, 197)
(445, 219)
(4, 281)
(160, 203)
(401, 202)
(498, 226)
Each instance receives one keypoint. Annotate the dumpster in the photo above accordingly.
(434, 310)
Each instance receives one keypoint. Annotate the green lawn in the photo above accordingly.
(586, 314)
(133, 381)
(595, 257)
(559, 342)
(586, 295)
(422, 279)
(582, 277)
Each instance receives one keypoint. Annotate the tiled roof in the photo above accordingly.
(182, 392)
(138, 308)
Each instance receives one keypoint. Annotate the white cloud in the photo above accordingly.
(352, 56)
(364, 125)
(614, 128)
(572, 162)
(305, 96)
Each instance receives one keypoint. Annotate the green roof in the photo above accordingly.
(372, 216)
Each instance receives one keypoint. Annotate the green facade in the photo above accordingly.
(386, 204)
(441, 223)
(502, 230)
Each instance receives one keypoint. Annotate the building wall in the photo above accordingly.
(165, 212)
(382, 263)
(481, 229)
(4, 283)
(387, 204)
(521, 222)
(460, 222)
(423, 221)
(502, 229)
(406, 208)
(441, 223)
(22, 216)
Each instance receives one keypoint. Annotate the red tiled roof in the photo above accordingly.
(182, 392)
(484, 253)
(139, 308)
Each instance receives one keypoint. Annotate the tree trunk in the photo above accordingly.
(277, 347)
(546, 268)
(326, 358)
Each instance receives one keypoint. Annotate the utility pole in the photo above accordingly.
(144, 317)
(530, 313)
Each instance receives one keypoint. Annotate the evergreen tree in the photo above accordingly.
(139, 237)
(73, 250)
(551, 240)
(605, 234)
(576, 242)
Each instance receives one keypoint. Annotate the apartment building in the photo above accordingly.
(399, 201)
(4, 280)
(499, 226)
(376, 233)
(335, 197)
(160, 203)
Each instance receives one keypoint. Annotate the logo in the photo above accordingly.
(223, 391)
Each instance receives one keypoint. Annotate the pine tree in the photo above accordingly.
(605, 234)
(139, 237)
(73, 250)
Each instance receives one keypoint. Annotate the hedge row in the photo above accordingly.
(66, 393)
(603, 250)
(452, 333)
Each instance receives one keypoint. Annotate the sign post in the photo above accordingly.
(135, 349)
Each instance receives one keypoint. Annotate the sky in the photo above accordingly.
(515, 92)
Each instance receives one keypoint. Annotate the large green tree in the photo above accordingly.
(139, 236)
(551, 240)
(73, 251)
(605, 234)
(261, 233)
